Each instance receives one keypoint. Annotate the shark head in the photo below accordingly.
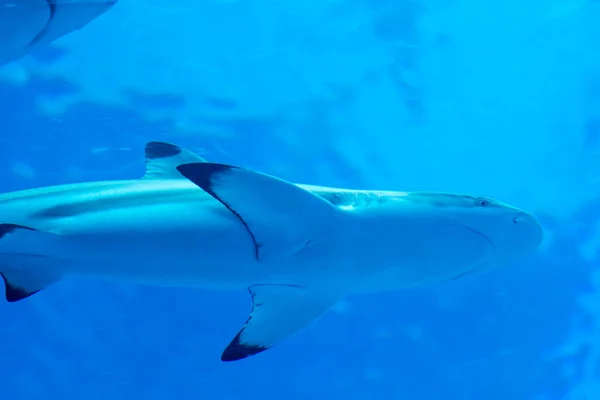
(424, 237)
(504, 231)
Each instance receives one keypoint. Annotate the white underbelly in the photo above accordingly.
(215, 251)
(183, 244)
(160, 244)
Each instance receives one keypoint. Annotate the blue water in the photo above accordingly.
(357, 94)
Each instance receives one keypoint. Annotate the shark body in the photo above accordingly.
(28, 23)
(297, 249)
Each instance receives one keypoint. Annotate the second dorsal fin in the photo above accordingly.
(163, 158)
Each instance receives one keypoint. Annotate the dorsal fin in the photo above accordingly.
(163, 158)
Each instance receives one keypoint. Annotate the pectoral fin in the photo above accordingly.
(20, 22)
(282, 218)
(25, 274)
(26, 280)
(278, 311)
(68, 16)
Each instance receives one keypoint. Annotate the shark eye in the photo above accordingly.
(483, 202)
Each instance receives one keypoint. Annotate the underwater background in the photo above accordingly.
(491, 98)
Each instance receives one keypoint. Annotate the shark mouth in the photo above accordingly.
(476, 265)
(475, 231)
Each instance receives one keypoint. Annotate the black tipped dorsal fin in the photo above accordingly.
(282, 218)
(278, 311)
(163, 158)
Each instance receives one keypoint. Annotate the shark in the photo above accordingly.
(297, 249)
(25, 24)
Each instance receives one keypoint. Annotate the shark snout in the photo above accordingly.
(529, 228)
(520, 217)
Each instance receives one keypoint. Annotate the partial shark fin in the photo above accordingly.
(24, 276)
(163, 158)
(69, 16)
(23, 282)
(281, 218)
(20, 22)
(278, 311)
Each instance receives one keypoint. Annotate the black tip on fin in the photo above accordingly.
(156, 150)
(237, 350)
(201, 173)
(22, 283)
(14, 293)
(8, 228)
